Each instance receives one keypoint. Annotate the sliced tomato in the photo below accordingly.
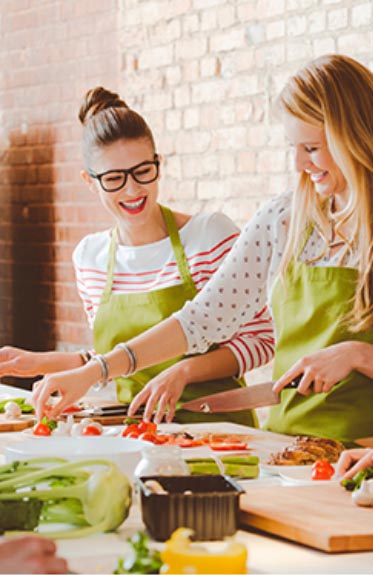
(72, 409)
(91, 430)
(185, 443)
(162, 439)
(228, 446)
(147, 427)
(146, 436)
(41, 429)
(131, 434)
(131, 428)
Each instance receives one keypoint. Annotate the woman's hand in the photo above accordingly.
(71, 386)
(323, 369)
(19, 362)
(30, 554)
(353, 460)
(164, 389)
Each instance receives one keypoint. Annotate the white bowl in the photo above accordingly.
(123, 451)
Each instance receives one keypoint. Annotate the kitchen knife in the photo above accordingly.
(256, 395)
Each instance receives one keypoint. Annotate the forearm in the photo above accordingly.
(363, 357)
(54, 361)
(160, 343)
(215, 364)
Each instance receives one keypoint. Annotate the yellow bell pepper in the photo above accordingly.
(180, 555)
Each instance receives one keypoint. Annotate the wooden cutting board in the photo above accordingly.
(320, 516)
(19, 424)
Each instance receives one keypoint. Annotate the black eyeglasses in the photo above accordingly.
(115, 180)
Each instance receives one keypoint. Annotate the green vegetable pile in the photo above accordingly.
(356, 481)
(142, 560)
(90, 495)
(25, 407)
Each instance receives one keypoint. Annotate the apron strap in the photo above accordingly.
(177, 247)
(110, 267)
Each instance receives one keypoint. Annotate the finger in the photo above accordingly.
(288, 377)
(327, 386)
(150, 406)
(45, 394)
(55, 565)
(363, 463)
(138, 401)
(58, 407)
(318, 385)
(162, 406)
(171, 409)
(305, 384)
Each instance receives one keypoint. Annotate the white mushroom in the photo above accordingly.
(364, 495)
(12, 410)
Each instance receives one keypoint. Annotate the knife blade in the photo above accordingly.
(256, 395)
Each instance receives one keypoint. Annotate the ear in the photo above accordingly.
(89, 181)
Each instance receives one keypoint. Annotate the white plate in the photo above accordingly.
(123, 451)
(278, 469)
(301, 475)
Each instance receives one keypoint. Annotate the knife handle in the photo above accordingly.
(294, 384)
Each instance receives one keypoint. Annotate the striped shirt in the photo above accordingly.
(207, 239)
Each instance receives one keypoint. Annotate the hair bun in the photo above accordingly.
(98, 99)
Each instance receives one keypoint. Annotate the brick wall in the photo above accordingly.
(203, 72)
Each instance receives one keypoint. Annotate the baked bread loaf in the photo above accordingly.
(305, 450)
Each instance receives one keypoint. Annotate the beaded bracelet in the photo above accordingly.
(104, 372)
(131, 358)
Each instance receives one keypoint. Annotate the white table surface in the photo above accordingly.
(267, 554)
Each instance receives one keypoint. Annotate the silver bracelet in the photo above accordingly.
(104, 372)
(131, 355)
(85, 355)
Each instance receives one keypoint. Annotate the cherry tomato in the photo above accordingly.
(147, 427)
(91, 430)
(131, 428)
(41, 429)
(322, 469)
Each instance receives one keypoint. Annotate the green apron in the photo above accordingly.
(307, 310)
(123, 316)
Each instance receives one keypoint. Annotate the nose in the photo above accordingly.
(131, 187)
(301, 159)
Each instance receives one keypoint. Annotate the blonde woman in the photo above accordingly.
(308, 254)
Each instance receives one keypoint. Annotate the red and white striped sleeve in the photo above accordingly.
(254, 344)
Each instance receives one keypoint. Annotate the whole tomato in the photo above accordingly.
(322, 470)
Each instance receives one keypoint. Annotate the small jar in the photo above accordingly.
(161, 460)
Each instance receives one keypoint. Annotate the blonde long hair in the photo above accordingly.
(336, 93)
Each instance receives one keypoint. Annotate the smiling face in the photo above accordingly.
(312, 156)
(134, 207)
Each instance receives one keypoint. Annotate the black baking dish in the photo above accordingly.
(208, 504)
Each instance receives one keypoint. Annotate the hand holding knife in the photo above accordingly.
(257, 395)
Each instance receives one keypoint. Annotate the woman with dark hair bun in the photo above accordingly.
(144, 269)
